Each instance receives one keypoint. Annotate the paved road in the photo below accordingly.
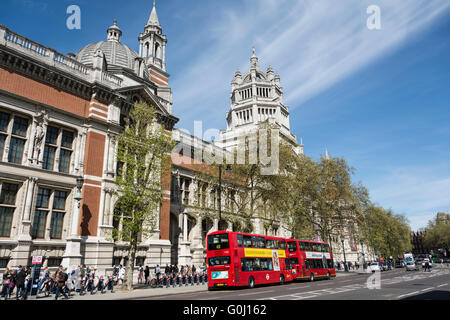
(394, 285)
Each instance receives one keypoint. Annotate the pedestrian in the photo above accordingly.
(121, 273)
(167, 269)
(61, 278)
(193, 269)
(158, 273)
(146, 274)
(20, 282)
(140, 274)
(6, 279)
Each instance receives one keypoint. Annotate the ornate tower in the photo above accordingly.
(152, 46)
(256, 97)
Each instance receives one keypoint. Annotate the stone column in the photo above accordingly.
(26, 220)
(185, 257)
(72, 255)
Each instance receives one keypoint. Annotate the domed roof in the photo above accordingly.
(116, 53)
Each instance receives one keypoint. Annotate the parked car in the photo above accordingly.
(411, 266)
(398, 264)
(374, 266)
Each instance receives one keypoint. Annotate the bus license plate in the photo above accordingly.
(219, 284)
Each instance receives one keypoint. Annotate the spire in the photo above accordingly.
(327, 156)
(254, 59)
(153, 20)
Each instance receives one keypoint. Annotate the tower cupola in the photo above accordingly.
(114, 32)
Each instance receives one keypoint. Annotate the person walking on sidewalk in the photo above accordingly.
(141, 274)
(5, 283)
(20, 282)
(146, 274)
(121, 273)
(61, 278)
(158, 273)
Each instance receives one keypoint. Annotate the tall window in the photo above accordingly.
(15, 128)
(40, 214)
(61, 140)
(59, 206)
(7, 206)
(49, 203)
(184, 186)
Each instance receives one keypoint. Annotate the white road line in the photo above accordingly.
(442, 285)
(408, 294)
(252, 293)
(347, 281)
(295, 288)
(427, 289)
(301, 298)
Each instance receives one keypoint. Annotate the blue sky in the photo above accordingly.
(379, 98)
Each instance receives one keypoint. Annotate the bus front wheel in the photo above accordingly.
(251, 283)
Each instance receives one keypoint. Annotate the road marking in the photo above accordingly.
(301, 298)
(295, 288)
(408, 294)
(442, 285)
(251, 293)
(427, 289)
(346, 281)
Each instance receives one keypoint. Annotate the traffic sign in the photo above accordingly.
(36, 260)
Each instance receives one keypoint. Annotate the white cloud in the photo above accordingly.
(419, 192)
(311, 44)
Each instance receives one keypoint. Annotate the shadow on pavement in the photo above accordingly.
(431, 295)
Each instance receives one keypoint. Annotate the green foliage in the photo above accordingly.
(387, 233)
(142, 147)
(437, 233)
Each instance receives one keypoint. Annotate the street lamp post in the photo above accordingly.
(228, 169)
(362, 253)
(345, 260)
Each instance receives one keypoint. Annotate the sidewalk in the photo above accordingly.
(138, 292)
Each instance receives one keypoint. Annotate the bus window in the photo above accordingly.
(276, 244)
(330, 263)
(282, 245)
(247, 241)
(240, 242)
(308, 246)
(255, 242)
(307, 264)
(294, 261)
(256, 264)
(269, 244)
(301, 245)
(219, 261)
(292, 245)
(247, 264)
(261, 242)
(327, 248)
(218, 241)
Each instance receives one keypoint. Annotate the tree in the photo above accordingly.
(142, 146)
(388, 234)
(437, 233)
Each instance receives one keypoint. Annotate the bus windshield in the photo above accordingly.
(218, 242)
(219, 261)
(292, 246)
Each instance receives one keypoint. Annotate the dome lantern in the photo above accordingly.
(114, 32)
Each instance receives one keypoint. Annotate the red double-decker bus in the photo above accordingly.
(310, 260)
(239, 259)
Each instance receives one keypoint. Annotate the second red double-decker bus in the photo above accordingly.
(239, 259)
(310, 259)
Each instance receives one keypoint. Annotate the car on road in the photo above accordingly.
(374, 266)
(399, 264)
(411, 266)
